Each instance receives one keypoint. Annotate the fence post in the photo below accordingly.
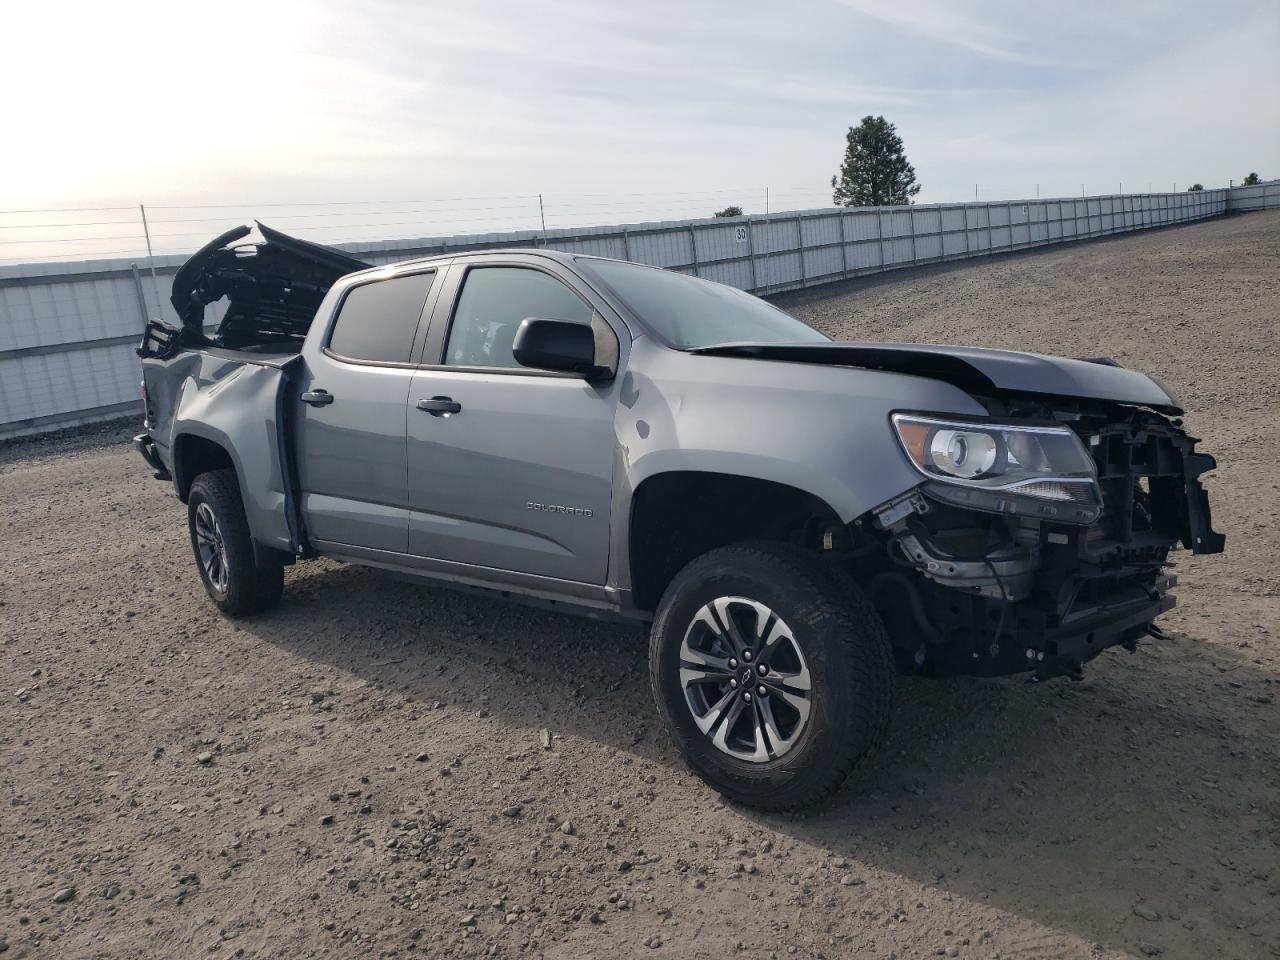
(626, 244)
(693, 249)
(751, 254)
(911, 218)
(804, 278)
(142, 297)
(146, 232)
(844, 251)
(880, 235)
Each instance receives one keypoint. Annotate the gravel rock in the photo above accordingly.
(1145, 912)
(1195, 306)
(64, 894)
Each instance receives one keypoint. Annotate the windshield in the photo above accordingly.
(689, 313)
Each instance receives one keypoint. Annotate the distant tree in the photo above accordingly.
(734, 211)
(1195, 188)
(1252, 180)
(875, 171)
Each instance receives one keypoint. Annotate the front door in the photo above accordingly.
(510, 468)
(351, 425)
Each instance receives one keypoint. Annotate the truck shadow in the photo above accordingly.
(1067, 804)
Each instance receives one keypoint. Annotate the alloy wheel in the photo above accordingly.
(745, 679)
(211, 548)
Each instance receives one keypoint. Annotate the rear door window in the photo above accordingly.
(377, 321)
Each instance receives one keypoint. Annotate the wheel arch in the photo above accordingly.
(196, 451)
(677, 515)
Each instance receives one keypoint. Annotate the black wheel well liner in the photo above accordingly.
(680, 515)
(194, 455)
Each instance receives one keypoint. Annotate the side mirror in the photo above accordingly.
(557, 345)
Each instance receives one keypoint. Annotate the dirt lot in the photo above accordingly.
(362, 772)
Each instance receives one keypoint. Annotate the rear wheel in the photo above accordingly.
(236, 584)
(773, 674)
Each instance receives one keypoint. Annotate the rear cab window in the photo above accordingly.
(377, 321)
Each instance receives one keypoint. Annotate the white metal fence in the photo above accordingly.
(68, 330)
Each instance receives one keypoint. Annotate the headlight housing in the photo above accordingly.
(1042, 470)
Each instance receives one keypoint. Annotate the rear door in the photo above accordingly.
(510, 468)
(351, 425)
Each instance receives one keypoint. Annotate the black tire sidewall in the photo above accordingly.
(201, 494)
(837, 733)
(250, 587)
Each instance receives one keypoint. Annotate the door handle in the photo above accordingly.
(318, 397)
(440, 406)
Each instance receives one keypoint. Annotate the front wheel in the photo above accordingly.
(224, 550)
(772, 672)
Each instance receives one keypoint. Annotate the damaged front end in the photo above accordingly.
(1038, 540)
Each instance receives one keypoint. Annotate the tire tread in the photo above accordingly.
(251, 588)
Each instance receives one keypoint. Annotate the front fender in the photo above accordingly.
(824, 430)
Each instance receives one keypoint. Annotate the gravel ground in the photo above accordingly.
(381, 769)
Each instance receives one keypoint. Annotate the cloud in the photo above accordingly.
(666, 107)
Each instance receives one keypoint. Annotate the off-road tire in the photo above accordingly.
(249, 587)
(848, 656)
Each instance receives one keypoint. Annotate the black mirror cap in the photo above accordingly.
(562, 345)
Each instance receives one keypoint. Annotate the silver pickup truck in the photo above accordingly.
(798, 518)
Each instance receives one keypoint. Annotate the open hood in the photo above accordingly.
(975, 369)
(274, 287)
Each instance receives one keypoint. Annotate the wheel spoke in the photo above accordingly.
(691, 656)
(762, 751)
(765, 647)
(722, 734)
(796, 680)
(690, 675)
(730, 626)
(770, 724)
(799, 703)
(709, 719)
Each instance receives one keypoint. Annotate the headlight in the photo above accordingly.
(1044, 462)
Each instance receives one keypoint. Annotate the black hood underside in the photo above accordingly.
(273, 287)
(976, 370)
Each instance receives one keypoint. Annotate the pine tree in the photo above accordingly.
(875, 171)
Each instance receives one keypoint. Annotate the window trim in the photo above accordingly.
(438, 362)
(427, 306)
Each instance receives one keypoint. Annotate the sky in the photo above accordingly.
(384, 118)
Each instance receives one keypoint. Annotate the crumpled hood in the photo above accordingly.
(975, 369)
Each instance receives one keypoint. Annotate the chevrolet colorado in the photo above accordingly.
(797, 518)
